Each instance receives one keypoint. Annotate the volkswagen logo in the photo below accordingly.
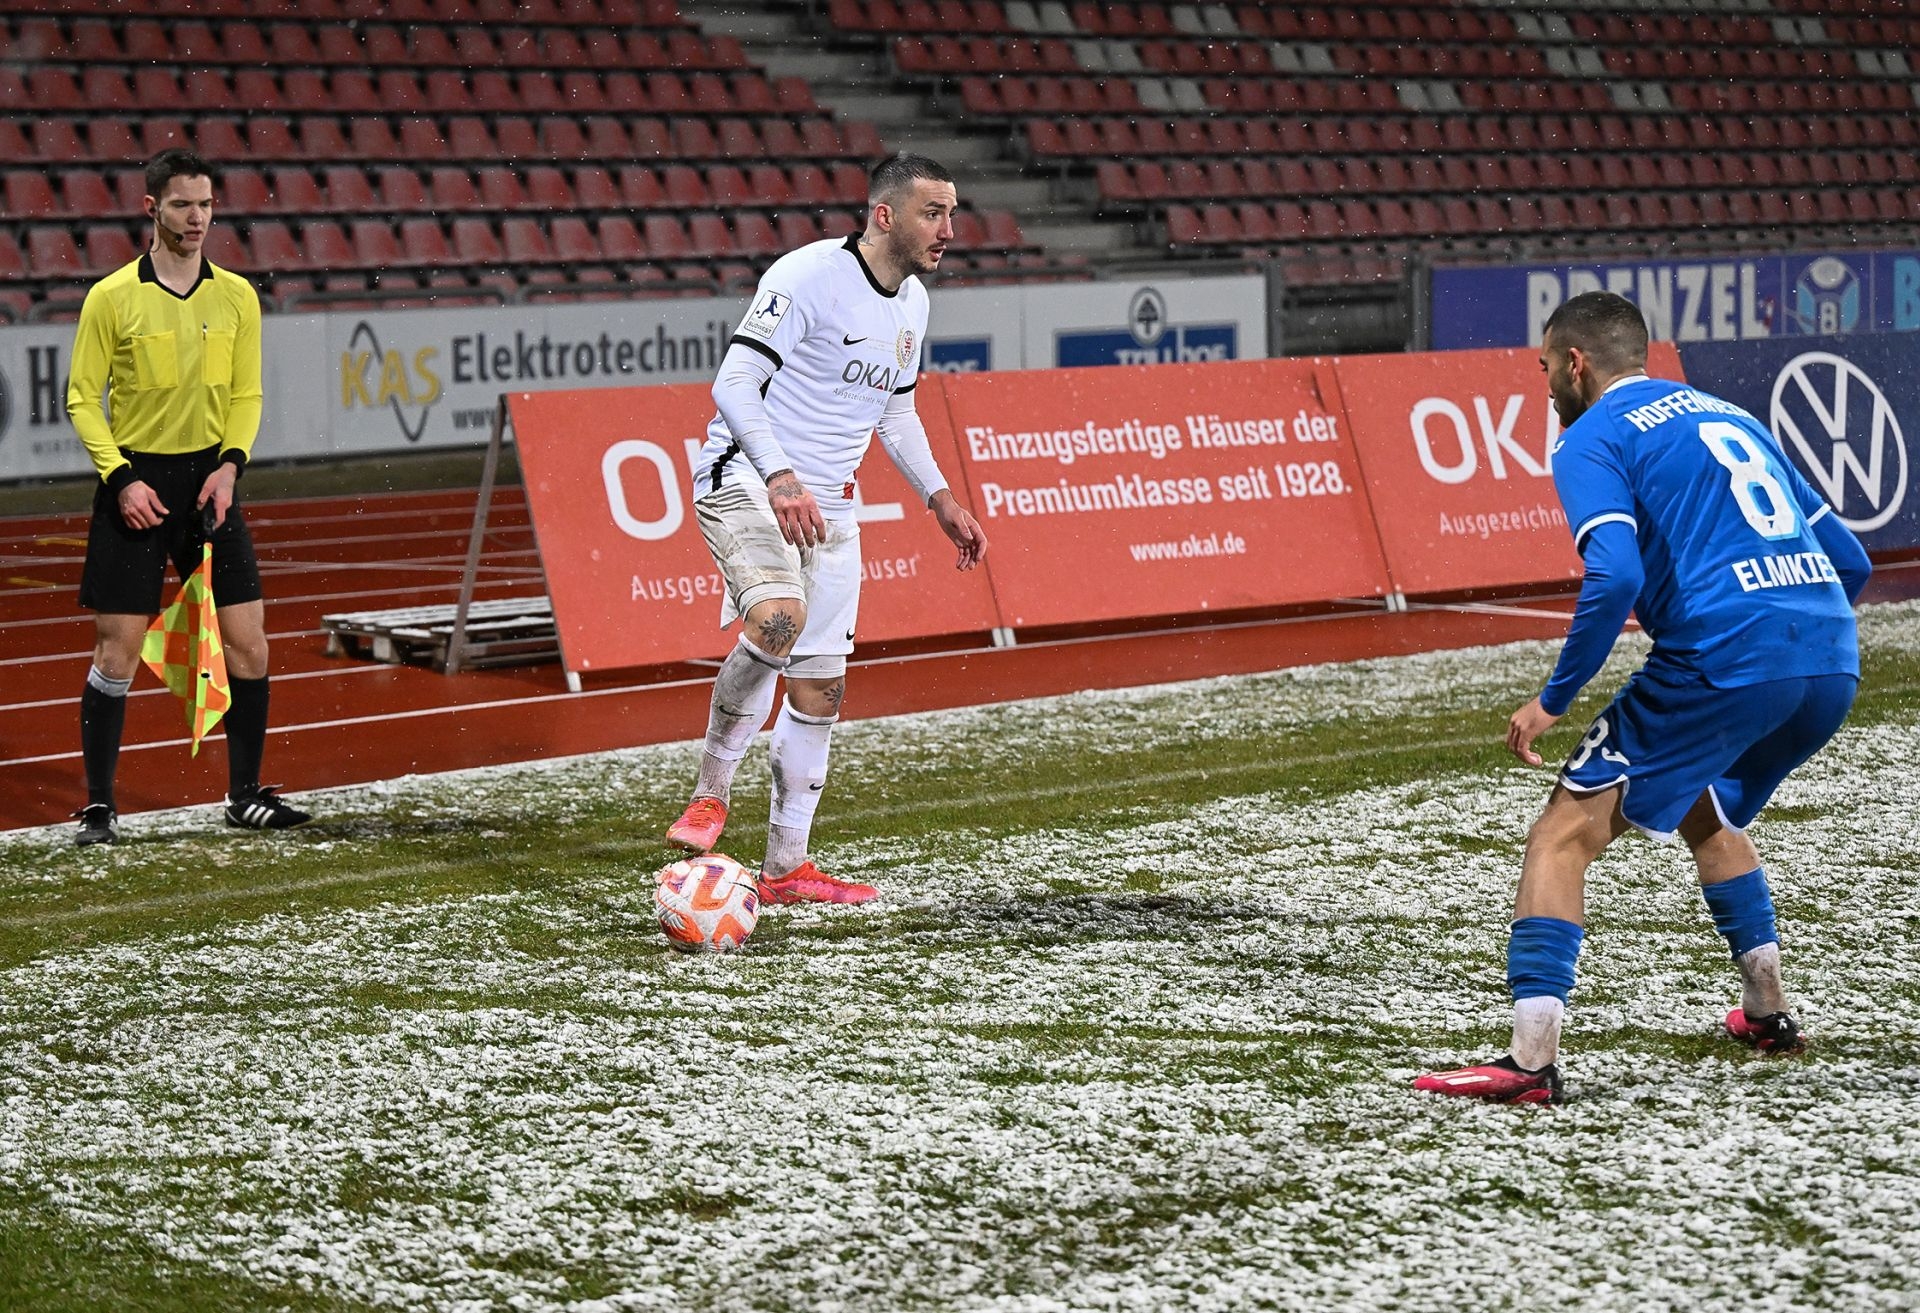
(1846, 434)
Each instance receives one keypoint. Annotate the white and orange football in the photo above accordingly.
(707, 904)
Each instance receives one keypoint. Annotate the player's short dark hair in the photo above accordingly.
(176, 162)
(894, 176)
(1605, 325)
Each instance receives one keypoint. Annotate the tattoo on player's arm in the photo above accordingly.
(778, 631)
(787, 487)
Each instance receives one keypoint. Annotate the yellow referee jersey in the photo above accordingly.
(175, 373)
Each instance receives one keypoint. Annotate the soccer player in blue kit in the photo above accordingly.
(1685, 512)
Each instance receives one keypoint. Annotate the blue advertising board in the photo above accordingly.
(1846, 410)
(1724, 299)
(965, 355)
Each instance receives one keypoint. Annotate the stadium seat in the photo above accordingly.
(425, 243)
(665, 238)
(374, 244)
(474, 242)
(573, 240)
(454, 189)
(526, 242)
(401, 190)
(620, 239)
(30, 196)
(326, 244)
(84, 194)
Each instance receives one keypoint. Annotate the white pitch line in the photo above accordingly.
(357, 668)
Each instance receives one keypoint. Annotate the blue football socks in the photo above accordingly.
(1742, 911)
(1541, 953)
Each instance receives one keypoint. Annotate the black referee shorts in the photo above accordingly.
(126, 568)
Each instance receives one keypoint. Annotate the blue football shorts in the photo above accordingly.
(1665, 742)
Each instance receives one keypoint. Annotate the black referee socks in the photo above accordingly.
(246, 734)
(103, 717)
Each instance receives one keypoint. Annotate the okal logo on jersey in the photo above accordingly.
(1847, 436)
(881, 378)
(372, 376)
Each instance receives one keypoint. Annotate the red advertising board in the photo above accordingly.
(1456, 448)
(1114, 493)
(609, 483)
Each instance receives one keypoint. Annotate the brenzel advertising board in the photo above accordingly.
(1729, 299)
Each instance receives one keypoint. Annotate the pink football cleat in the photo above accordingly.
(1501, 1081)
(699, 826)
(807, 883)
(1774, 1033)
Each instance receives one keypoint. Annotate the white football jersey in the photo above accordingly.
(843, 346)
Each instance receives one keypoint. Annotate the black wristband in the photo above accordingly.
(118, 478)
(237, 458)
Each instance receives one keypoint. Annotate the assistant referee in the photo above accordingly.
(165, 393)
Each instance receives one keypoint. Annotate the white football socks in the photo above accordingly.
(1536, 1030)
(800, 745)
(1761, 993)
(742, 697)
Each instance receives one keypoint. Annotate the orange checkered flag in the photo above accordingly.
(183, 647)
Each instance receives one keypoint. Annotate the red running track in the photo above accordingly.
(339, 720)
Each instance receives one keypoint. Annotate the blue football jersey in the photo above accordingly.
(1737, 588)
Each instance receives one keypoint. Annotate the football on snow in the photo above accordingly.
(707, 904)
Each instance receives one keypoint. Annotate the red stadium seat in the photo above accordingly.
(84, 194)
(30, 196)
(453, 189)
(709, 236)
(573, 240)
(620, 239)
(665, 238)
(474, 242)
(796, 229)
(401, 190)
(51, 253)
(326, 245)
(274, 247)
(244, 191)
(375, 246)
(526, 242)
(425, 243)
(501, 189)
(640, 188)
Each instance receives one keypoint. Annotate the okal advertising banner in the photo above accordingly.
(1120, 493)
(609, 478)
(1457, 451)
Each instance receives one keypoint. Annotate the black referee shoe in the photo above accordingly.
(96, 825)
(260, 809)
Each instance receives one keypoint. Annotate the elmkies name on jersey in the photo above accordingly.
(1757, 572)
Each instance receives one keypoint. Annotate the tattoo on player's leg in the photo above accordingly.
(833, 693)
(778, 631)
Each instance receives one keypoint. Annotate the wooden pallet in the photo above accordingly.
(506, 631)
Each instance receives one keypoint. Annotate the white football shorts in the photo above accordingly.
(759, 565)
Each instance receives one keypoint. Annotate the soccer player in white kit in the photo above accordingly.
(827, 355)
